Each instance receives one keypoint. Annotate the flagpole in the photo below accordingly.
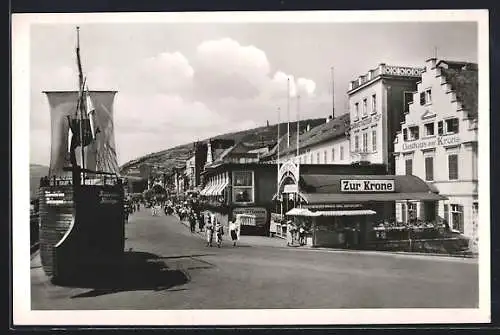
(333, 94)
(288, 112)
(298, 124)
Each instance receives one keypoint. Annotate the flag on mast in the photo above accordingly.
(91, 114)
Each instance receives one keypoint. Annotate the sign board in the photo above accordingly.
(362, 185)
(289, 168)
(57, 198)
(431, 143)
(259, 213)
(366, 121)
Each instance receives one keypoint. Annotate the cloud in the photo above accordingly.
(166, 99)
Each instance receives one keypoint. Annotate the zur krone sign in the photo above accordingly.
(361, 185)
(431, 143)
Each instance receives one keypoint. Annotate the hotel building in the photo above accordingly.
(438, 143)
(377, 103)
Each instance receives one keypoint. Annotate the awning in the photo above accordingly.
(211, 189)
(220, 188)
(346, 213)
(321, 198)
(301, 212)
(206, 189)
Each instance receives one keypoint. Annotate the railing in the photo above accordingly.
(382, 69)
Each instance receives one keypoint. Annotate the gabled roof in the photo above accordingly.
(462, 77)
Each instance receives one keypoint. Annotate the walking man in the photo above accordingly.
(209, 232)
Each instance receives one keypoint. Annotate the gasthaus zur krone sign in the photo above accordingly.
(362, 185)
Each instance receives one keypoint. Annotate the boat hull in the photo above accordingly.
(81, 229)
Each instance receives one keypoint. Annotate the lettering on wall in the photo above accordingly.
(361, 185)
(431, 143)
(366, 121)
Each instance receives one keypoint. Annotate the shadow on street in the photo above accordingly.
(136, 272)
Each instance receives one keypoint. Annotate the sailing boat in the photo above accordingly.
(82, 198)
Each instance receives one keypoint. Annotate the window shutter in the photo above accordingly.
(429, 168)
(422, 98)
(409, 167)
(440, 128)
(453, 167)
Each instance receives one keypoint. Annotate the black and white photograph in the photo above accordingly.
(251, 168)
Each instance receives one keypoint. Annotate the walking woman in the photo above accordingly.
(233, 230)
(209, 229)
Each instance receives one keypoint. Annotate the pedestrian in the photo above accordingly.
(192, 222)
(209, 229)
(201, 222)
(219, 230)
(289, 234)
(302, 234)
(233, 230)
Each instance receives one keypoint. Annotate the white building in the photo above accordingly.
(377, 103)
(438, 143)
(327, 143)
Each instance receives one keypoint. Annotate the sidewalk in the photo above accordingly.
(276, 242)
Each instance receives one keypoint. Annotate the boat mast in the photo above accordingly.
(80, 93)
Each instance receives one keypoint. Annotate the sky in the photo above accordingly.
(180, 82)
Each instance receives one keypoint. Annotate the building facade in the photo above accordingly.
(438, 143)
(325, 144)
(377, 103)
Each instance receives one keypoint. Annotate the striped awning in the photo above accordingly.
(219, 189)
(300, 212)
(346, 212)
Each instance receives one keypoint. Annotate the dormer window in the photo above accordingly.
(426, 97)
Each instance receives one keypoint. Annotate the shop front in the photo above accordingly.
(348, 211)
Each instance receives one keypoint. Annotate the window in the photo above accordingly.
(409, 166)
(405, 134)
(374, 140)
(243, 186)
(356, 143)
(305, 159)
(324, 157)
(426, 97)
(452, 126)
(440, 128)
(429, 129)
(413, 132)
(365, 107)
(457, 217)
(356, 110)
(429, 168)
(412, 211)
(408, 98)
(333, 155)
(403, 212)
(341, 153)
(365, 142)
(317, 158)
(453, 167)
(312, 159)
(446, 213)
(374, 103)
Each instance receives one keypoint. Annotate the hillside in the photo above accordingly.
(36, 172)
(167, 159)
